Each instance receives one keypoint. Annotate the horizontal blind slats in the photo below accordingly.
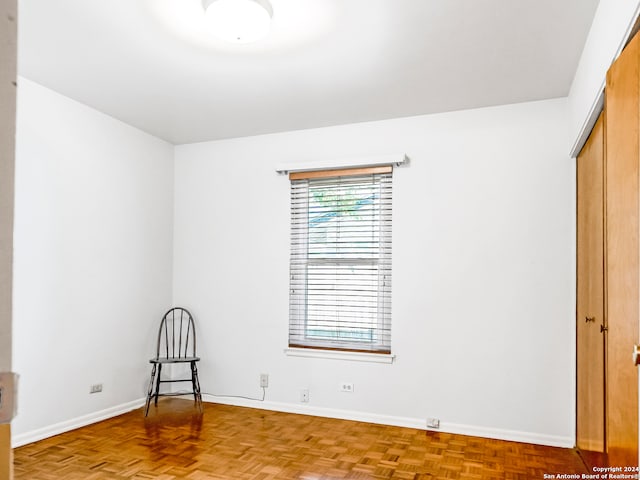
(340, 271)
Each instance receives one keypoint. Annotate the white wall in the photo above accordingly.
(483, 272)
(93, 247)
(609, 31)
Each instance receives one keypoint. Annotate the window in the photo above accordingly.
(340, 272)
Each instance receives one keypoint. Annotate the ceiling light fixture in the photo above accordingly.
(239, 21)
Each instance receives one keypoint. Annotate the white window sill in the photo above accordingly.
(337, 355)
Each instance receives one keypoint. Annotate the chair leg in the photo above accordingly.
(158, 384)
(197, 396)
(150, 390)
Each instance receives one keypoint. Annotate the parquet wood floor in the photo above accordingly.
(225, 442)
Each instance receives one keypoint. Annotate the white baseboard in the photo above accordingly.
(58, 428)
(418, 423)
(510, 435)
(408, 422)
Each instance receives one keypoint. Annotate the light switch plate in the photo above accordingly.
(8, 396)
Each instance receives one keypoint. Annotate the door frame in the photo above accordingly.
(8, 77)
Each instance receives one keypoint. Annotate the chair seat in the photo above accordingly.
(175, 360)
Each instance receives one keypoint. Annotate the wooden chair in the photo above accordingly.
(176, 344)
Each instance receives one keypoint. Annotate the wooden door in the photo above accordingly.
(590, 429)
(622, 253)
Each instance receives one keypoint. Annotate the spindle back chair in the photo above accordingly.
(176, 344)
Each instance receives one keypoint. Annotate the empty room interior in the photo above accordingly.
(406, 231)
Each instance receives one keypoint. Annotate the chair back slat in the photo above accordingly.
(180, 340)
(177, 334)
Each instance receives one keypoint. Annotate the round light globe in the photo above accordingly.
(238, 21)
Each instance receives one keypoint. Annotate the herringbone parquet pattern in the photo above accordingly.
(175, 442)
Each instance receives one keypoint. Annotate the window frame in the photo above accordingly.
(379, 177)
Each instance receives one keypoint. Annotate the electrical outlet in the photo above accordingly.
(433, 423)
(304, 395)
(264, 380)
(96, 388)
(346, 387)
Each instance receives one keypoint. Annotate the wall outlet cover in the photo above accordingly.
(433, 423)
(346, 387)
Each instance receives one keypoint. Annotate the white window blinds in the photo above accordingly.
(340, 272)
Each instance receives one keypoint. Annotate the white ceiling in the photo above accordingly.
(152, 64)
